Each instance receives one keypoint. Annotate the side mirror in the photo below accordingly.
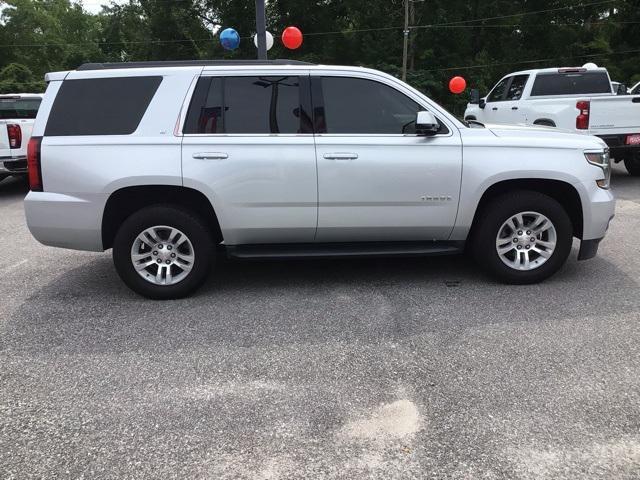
(474, 97)
(426, 124)
(622, 89)
(482, 103)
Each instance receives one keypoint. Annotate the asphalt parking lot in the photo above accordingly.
(325, 369)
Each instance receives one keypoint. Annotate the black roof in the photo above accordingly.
(187, 63)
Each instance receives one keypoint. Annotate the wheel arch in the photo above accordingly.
(124, 202)
(547, 122)
(563, 192)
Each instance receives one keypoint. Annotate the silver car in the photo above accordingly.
(172, 163)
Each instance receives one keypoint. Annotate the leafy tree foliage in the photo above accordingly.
(480, 40)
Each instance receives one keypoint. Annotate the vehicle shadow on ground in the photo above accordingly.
(277, 303)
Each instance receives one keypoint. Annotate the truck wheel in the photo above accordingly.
(523, 237)
(163, 252)
(632, 165)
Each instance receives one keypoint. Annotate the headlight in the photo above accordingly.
(601, 159)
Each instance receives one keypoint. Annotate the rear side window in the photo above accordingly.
(249, 105)
(18, 107)
(571, 83)
(514, 92)
(101, 106)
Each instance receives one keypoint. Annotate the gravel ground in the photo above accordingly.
(320, 369)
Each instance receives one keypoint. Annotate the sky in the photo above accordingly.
(94, 6)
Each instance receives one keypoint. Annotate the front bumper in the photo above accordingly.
(13, 165)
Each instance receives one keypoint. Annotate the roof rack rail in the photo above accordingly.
(187, 63)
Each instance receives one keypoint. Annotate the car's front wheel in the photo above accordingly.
(632, 165)
(163, 252)
(522, 237)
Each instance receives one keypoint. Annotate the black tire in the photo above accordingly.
(544, 123)
(632, 165)
(498, 211)
(167, 215)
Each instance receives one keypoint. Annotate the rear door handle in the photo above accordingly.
(210, 156)
(495, 108)
(340, 156)
(514, 108)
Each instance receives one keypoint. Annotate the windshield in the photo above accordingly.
(18, 108)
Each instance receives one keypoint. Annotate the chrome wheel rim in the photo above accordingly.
(162, 255)
(526, 241)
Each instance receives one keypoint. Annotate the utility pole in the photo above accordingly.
(261, 29)
(405, 45)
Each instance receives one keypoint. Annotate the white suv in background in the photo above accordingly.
(171, 163)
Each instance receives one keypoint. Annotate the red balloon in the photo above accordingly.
(457, 85)
(292, 37)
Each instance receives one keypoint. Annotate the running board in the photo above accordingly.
(339, 250)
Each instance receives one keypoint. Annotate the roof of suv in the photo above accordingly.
(188, 63)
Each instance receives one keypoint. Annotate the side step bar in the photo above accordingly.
(339, 250)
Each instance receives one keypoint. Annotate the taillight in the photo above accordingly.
(14, 133)
(33, 164)
(582, 120)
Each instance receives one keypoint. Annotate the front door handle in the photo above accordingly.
(495, 108)
(514, 108)
(340, 156)
(210, 156)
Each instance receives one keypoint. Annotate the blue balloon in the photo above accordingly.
(229, 39)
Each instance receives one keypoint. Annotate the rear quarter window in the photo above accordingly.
(101, 106)
(571, 83)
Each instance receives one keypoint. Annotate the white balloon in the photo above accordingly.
(269, 40)
(590, 66)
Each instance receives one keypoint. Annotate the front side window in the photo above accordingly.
(101, 106)
(247, 105)
(516, 88)
(361, 106)
(497, 94)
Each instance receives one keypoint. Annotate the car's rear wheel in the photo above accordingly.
(633, 165)
(523, 237)
(163, 252)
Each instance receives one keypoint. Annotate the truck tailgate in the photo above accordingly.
(5, 151)
(615, 115)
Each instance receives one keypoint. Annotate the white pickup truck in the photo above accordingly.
(17, 115)
(580, 100)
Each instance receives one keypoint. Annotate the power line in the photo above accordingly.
(336, 32)
(524, 62)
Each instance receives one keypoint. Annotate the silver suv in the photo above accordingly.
(172, 163)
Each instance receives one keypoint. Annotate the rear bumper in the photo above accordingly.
(13, 165)
(65, 221)
(618, 147)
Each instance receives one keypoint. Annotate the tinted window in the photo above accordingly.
(101, 106)
(636, 90)
(355, 105)
(517, 87)
(578, 83)
(247, 105)
(18, 107)
(497, 94)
